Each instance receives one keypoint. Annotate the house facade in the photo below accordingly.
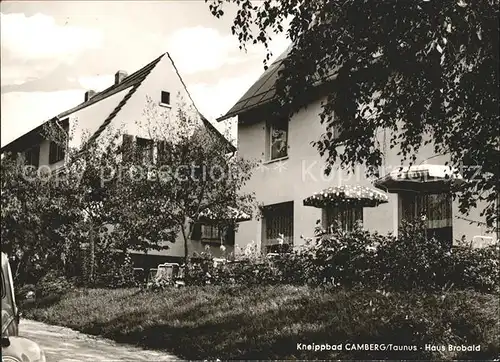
(292, 170)
(121, 107)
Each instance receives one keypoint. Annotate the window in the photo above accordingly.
(346, 218)
(437, 209)
(162, 152)
(127, 148)
(213, 233)
(33, 156)
(145, 150)
(278, 219)
(165, 98)
(210, 232)
(277, 135)
(56, 152)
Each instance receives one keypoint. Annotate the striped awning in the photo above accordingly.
(418, 178)
(347, 195)
(229, 214)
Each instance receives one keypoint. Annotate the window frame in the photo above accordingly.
(442, 233)
(29, 153)
(226, 233)
(161, 154)
(281, 124)
(271, 220)
(348, 216)
(218, 233)
(145, 150)
(164, 104)
(418, 201)
(57, 153)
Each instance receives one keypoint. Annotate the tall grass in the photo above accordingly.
(267, 322)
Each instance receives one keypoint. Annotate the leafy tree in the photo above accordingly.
(423, 71)
(194, 170)
(35, 220)
(110, 197)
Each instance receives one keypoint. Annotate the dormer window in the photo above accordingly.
(165, 99)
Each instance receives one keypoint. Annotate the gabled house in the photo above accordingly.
(292, 170)
(121, 106)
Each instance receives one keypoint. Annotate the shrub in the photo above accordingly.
(23, 290)
(412, 260)
(476, 268)
(51, 288)
(114, 270)
(198, 270)
(360, 258)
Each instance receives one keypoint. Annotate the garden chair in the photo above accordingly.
(152, 274)
(139, 276)
(168, 272)
(480, 241)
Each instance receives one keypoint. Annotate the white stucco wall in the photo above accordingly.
(302, 175)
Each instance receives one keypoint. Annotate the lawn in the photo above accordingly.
(268, 322)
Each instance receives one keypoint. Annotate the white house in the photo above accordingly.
(292, 170)
(121, 106)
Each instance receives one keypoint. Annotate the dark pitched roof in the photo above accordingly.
(264, 89)
(261, 92)
(134, 79)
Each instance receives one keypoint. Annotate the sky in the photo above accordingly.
(53, 51)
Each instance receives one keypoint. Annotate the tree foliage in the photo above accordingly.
(423, 71)
(36, 220)
(116, 195)
(194, 170)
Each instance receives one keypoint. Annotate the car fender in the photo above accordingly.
(22, 350)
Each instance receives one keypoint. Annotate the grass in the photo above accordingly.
(268, 322)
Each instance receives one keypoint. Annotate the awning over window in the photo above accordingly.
(418, 178)
(348, 195)
(228, 214)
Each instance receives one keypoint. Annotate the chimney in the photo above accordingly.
(89, 94)
(120, 76)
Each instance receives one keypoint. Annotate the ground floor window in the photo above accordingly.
(435, 209)
(213, 233)
(210, 232)
(346, 218)
(278, 226)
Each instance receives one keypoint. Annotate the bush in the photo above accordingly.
(360, 258)
(476, 268)
(415, 261)
(113, 270)
(23, 290)
(51, 288)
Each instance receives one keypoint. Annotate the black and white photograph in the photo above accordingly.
(216, 180)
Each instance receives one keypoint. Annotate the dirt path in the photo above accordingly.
(66, 345)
